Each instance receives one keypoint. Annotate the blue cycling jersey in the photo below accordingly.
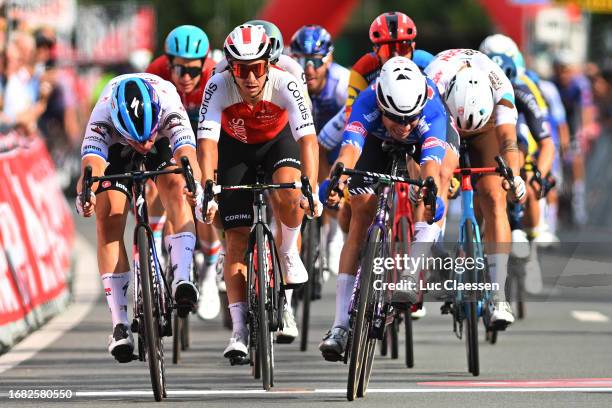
(332, 98)
(430, 133)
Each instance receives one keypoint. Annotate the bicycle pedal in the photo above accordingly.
(332, 356)
(292, 285)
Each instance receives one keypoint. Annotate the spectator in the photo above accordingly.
(25, 96)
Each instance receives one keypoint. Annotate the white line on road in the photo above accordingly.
(590, 316)
(342, 391)
(86, 291)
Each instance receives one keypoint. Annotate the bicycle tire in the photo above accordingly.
(176, 338)
(264, 343)
(471, 337)
(394, 337)
(307, 294)
(185, 333)
(404, 239)
(152, 338)
(360, 330)
(409, 344)
(384, 344)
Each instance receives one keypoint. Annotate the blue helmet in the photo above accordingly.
(505, 63)
(135, 109)
(312, 40)
(187, 41)
(422, 58)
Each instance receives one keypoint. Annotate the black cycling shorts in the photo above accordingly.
(120, 160)
(238, 164)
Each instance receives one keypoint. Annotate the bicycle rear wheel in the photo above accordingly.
(359, 342)
(402, 242)
(264, 343)
(471, 306)
(150, 310)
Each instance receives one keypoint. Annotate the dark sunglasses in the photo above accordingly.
(316, 62)
(181, 70)
(243, 70)
(387, 50)
(402, 120)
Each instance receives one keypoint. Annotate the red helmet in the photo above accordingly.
(392, 26)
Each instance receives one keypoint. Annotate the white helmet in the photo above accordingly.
(502, 44)
(401, 88)
(247, 42)
(469, 98)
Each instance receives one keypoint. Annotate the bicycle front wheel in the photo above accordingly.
(153, 341)
(360, 347)
(471, 306)
(264, 343)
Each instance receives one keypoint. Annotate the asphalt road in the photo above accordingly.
(560, 355)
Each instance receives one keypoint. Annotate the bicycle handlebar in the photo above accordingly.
(88, 179)
(211, 190)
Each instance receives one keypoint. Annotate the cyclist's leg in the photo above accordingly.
(210, 245)
(281, 158)
(181, 243)
(236, 216)
(363, 208)
(113, 263)
(492, 202)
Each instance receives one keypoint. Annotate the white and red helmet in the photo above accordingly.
(469, 98)
(246, 43)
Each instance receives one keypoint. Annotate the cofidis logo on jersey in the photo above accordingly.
(208, 93)
(299, 98)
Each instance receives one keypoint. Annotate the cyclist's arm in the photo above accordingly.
(309, 156)
(505, 130)
(302, 126)
(98, 165)
(539, 126)
(209, 125)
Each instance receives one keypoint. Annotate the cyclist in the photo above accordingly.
(392, 34)
(534, 136)
(577, 97)
(187, 65)
(404, 106)
(290, 330)
(481, 101)
(248, 116)
(327, 82)
(137, 113)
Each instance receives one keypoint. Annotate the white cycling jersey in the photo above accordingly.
(447, 63)
(100, 132)
(282, 101)
(285, 63)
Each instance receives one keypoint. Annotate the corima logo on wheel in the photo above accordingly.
(299, 98)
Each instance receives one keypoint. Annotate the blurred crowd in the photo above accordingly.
(41, 95)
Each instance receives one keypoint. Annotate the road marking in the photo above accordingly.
(86, 291)
(552, 383)
(591, 316)
(342, 391)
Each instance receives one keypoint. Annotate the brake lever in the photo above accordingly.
(188, 174)
(208, 195)
(430, 198)
(307, 192)
(86, 186)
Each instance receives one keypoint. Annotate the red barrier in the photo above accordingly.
(36, 235)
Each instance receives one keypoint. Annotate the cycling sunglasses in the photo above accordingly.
(402, 120)
(243, 70)
(387, 50)
(181, 70)
(316, 62)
